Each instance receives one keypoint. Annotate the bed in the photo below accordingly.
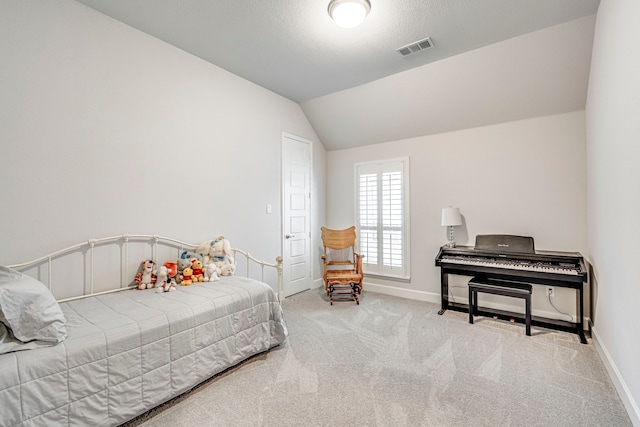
(112, 352)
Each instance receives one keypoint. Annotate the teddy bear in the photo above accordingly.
(145, 277)
(198, 273)
(186, 277)
(211, 272)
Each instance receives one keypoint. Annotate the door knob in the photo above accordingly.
(288, 236)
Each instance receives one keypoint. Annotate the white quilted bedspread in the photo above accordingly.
(130, 351)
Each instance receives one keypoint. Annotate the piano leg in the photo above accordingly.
(583, 339)
(444, 292)
(580, 310)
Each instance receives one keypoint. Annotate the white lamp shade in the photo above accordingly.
(451, 216)
(349, 13)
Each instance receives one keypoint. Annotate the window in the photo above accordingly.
(382, 216)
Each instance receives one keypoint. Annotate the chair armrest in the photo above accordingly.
(358, 263)
(324, 272)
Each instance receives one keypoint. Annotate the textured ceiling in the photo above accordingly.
(294, 49)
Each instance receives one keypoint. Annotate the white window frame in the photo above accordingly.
(382, 265)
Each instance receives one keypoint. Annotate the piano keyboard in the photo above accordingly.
(512, 265)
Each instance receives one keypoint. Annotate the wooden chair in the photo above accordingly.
(342, 265)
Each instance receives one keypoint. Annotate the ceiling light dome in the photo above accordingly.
(349, 13)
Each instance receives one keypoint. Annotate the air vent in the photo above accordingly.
(415, 47)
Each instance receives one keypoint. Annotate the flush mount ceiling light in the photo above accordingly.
(349, 13)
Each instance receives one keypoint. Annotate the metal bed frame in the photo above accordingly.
(156, 240)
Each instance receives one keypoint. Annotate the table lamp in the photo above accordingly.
(450, 218)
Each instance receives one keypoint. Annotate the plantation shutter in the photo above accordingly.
(381, 217)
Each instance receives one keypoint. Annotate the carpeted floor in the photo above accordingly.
(396, 362)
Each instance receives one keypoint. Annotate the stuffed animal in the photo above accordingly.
(186, 277)
(204, 248)
(162, 274)
(211, 272)
(145, 277)
(228, 270)
(191, 255)
(181, 264)
(198, 273)
(217, 251)
(173, 269)
(164, 283)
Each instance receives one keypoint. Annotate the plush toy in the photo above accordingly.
(164, 282)
(162, 274)
(211, 272)
(228, 270)
(217, 251)
(181, 264)
(191, 255)
(204, 248)
(171, 285)
(173, 269)
(186, 277)
(145, 277)
(198, 273)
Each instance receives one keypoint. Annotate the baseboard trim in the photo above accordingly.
(393, 291)
(435, 298)
(618, 381)
(402, 293)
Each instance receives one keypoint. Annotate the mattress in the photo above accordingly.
(130, 351)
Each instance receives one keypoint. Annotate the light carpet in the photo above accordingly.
(395, 362)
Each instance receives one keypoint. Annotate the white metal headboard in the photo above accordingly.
(124, 239)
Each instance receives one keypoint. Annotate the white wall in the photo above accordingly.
(525, 178)
(539, 73)
(613, 155)
(105, 130)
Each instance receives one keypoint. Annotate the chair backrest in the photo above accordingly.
(339, 245)
(338, 239)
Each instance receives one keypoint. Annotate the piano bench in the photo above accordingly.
(500, 287)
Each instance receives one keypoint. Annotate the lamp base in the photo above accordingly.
(452, 243)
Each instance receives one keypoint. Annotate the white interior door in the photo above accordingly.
(296, 242)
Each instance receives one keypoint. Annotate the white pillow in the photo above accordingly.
(29, 311)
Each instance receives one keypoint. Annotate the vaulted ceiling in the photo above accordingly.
(492, 60)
